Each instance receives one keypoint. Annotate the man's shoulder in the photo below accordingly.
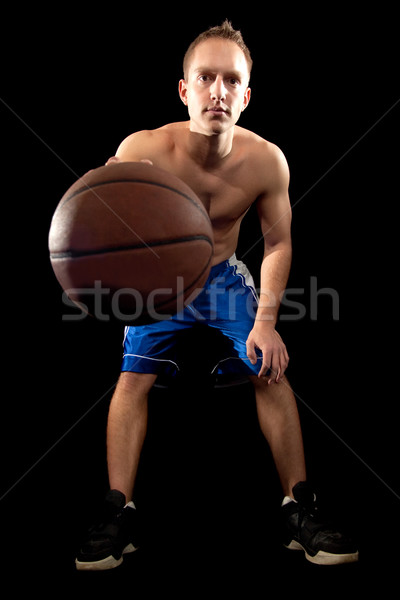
(145, 140)
(257, 147)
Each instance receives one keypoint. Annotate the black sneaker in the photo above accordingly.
(113, 537)
(305, 530)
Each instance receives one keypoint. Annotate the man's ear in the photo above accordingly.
(246, 99)
(183, 91)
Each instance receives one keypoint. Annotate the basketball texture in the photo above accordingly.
(130, 241)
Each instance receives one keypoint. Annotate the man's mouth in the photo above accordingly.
(217, 110)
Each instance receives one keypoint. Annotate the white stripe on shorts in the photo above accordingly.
(244, 274)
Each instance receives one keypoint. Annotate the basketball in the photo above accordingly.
(130, 241)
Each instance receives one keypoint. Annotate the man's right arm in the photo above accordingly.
(134, 148)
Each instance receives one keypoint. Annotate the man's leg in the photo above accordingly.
(279, 422)
(117, 531)
(302, 528)
(126, 429)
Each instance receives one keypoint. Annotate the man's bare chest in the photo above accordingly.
(226, 194)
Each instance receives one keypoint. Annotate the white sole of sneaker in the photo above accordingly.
(106, 563)
(324, 558)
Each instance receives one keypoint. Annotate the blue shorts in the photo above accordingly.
(228, 303)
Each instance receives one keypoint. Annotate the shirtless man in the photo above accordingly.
(229, 168)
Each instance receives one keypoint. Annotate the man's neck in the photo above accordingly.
(209, 150)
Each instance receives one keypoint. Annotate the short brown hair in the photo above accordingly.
(224, 32)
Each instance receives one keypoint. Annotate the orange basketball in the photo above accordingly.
(130, 241)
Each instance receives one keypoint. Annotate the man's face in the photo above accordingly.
(216, 90)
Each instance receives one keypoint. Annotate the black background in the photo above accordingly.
(74, 83)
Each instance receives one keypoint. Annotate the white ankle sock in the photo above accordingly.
(286, 500)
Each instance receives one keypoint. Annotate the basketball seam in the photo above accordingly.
(162, 303)
(81, 253)
(161, 185)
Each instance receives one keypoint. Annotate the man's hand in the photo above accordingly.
(275, 358)
(114, 159)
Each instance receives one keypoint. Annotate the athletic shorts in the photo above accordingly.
(228, 303)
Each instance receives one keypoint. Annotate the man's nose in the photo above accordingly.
(218, 90)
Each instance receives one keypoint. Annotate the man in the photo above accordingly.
(229, 168)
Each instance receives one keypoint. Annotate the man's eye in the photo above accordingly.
(204, 77)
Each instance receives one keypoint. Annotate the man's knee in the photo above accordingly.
(134, 383)
(261, 383)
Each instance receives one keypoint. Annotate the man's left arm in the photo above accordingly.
(275, 217)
